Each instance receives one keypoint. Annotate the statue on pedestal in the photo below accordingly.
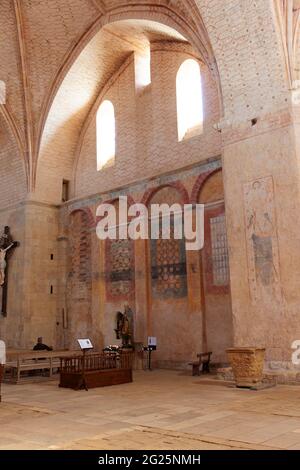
(124, 327)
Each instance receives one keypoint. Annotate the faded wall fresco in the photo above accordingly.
(215, 255)
(159, 280)
(79, 284)
(119, 269)
(168, 268)
(262, 241)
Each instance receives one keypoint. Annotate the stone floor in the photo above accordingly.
(160, 410)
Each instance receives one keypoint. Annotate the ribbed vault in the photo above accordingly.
(43, 43)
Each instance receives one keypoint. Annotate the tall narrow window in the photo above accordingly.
(2, 92)
(142, 64)
(106, 134)
(65, 190)
(189, 100)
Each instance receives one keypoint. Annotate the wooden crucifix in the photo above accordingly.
(7, 246)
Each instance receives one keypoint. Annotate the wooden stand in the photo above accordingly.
(1, 375)
(95, 370)
(95, 379)
(82, 381)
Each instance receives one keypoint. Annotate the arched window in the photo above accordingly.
(106, 134)
(189, 99)
(2, 92)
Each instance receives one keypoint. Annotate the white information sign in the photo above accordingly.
(152, 342)
(85, 343)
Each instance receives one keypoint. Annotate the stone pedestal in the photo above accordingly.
(247, 365)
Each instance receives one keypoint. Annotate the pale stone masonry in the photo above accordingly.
(59, 60)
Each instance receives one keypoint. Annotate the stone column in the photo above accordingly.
(142, 298)
(261, 180)
(40, 294)
(62, 285)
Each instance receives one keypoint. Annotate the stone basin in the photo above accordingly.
(247, 365)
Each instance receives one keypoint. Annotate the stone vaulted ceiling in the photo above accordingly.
(47, 43)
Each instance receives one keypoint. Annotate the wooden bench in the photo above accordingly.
(44, 362)
(203, 360)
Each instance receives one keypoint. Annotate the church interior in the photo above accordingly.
(170, 102)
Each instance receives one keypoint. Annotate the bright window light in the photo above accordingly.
(106, 134)
(189, 99)
(142, 63)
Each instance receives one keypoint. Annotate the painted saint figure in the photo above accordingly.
(262, 241)
(261, 224)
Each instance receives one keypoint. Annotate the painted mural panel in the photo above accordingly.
(262, 241)
(168, 268)
(79, 284)
(119, 269)
(216, 263)
(220, 265)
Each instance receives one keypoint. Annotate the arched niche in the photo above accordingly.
(215, 274)
(79, 279)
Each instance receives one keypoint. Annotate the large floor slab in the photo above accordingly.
(159, 410)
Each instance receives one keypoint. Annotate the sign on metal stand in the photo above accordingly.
(152, 345)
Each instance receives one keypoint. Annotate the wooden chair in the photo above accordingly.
(203, 360)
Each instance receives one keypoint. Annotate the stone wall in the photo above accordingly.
(131, 272)
(264, 290)
(246, 88)
(146, 126)
(12, 169)
(12, 327)
(33, 276)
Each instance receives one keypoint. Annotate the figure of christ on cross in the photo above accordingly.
(6, 247)
(3, 263)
